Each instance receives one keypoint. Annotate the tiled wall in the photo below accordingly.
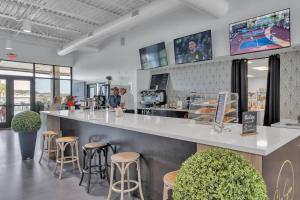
(290, 85)
(215, 76)
(211, 77)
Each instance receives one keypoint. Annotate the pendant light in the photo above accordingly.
(8, 45)
(26, 27)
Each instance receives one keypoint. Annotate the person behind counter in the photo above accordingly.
(126, 101)
(114, 100)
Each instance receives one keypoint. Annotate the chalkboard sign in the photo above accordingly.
(220, 111)
(249, 123)
(159, 81)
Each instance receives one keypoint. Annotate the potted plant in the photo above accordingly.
(109, 79)
(218, 174)
(71, 102)
(27, 124)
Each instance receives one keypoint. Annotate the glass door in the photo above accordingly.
(3, 102)
(16, 95)
(22, 96)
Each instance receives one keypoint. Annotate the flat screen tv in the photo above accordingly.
(154, 56)
(193, 48)
(267, 32)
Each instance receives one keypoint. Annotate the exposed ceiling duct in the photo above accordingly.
(158, 7)
(216, 8)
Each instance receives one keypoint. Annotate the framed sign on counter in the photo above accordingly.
(218, 124)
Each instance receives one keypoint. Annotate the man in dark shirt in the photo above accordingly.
(114, 100)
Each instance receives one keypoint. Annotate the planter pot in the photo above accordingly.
(27, 145)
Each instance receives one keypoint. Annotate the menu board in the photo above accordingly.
(159, 81)
(249, 122)
(220, 112)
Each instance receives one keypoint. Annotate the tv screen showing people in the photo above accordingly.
(154, 56)
(193, 48)
(271, 31)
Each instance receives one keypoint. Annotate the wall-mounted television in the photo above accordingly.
(193, 48)
(154, 56)
(267, 32)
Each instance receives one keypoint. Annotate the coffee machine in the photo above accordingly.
(151, 98)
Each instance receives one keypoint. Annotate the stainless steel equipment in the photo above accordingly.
(153, 97)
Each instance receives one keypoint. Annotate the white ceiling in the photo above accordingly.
(60, 21)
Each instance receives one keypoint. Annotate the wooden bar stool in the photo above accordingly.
(61, 144)
(123, 161)
(48, 144)
(90, 153)
(169, 182)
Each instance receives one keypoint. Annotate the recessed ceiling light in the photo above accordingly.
(26, 27)
(250, 76)
(250, 62)
(261, 68)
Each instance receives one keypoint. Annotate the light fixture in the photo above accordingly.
(250, 76)
(250, 62)
(261, 68)
(26, 27)
(8, 45)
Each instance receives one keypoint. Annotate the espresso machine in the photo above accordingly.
(150, 98)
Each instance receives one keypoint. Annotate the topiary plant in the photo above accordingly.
(25, 122)
(218, 174)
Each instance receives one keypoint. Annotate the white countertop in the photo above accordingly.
(287, 123)
(165, 109)
(265, 142)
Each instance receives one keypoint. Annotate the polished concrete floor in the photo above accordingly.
(29, 180)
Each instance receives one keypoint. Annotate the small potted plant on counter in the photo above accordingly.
(27, 124)
(218, 174)
(71, 102)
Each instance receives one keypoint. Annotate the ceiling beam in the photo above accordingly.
(100, 8)
(4, 28)
(3, 15)
(57, 12)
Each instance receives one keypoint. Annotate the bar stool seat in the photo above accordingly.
(61, 144)
(95, 145)
(125, 157)
(48, 144)
(122, 162)
(169, 182)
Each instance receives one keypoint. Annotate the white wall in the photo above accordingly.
(38, 53)
(122, 61)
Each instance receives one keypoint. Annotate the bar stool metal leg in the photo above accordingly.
(83, 167)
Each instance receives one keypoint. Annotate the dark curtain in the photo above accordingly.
(272, 110)
(239, 84)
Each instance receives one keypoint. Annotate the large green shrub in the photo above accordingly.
(27, 121)
(218, 174)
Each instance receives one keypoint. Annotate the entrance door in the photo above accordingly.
(16, 95)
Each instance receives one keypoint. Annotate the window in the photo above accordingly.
(62, 72)
(16, 68)
(62, 88)
(43, 91)
(43, 71)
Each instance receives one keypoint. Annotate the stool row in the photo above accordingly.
(54, 144)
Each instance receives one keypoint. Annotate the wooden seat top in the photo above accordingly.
(95, 145)
(170, 178)
(50, 133)
(125, 157)
(66, 139)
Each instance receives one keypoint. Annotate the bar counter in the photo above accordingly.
(166, 142)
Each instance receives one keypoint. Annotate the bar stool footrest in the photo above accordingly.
(125, 182)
